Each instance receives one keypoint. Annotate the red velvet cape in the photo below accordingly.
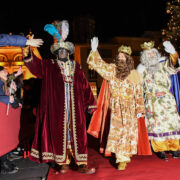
(50, 142)
(100, 122)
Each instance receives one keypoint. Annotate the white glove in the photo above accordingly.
(94, 43)
(141, 68)
(34, 42)
(168, 47)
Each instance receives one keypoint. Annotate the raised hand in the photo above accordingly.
(94, 43)
(168, 47)
(19, 72)
(34, 42)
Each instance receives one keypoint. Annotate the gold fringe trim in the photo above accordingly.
(47, 156)
(79, 157)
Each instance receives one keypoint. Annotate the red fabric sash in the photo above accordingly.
(97, 126)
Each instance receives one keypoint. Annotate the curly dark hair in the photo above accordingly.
(123, 68)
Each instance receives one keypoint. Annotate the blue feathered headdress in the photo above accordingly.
(58, 29)
(52, 31)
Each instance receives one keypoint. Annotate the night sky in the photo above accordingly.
(125, 18)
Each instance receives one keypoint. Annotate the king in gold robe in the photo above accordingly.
(126, 101)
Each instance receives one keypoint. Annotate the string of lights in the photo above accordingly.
(172, 32)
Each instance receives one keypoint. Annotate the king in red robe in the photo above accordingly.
(65, 96)
(51, 136)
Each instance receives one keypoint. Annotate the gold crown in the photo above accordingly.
(125, 49)
(147, 45)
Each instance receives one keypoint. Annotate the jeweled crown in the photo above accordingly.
(125, 49)
(147, 45)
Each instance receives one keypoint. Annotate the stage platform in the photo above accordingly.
(140, 168)
(28, 170)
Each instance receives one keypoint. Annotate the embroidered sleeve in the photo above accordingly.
(89, 102)
(174, 59)
(168, 65)
(104, 69)
(34, 64)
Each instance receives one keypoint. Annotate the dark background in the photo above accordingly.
(113, 18)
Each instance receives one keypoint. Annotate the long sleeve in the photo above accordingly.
(34, 64)
(12, 40)
(174, 59)
(89, 100)
(172, 64)
(4, 99)
(104, 69)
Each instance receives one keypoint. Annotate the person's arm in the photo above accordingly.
(33, 63)
(89, 100)
(34, 42)
(4, 99)
(18, 40)
(169, 48)
(174, 59)
(12, 40)
(96, 62)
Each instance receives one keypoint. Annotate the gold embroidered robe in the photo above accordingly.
(126, 101)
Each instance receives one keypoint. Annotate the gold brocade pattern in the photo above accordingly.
(79, 157)
(69, 158)
(47, 156)
(162, 118)
(67, 70)
(126, 101)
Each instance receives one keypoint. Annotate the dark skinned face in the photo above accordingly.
(62, 54)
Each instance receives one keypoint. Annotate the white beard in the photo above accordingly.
(153, 68)
(151, 63)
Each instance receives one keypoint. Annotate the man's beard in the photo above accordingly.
(122, 70)
(153, 68)
(153, 65)
(121, 64)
